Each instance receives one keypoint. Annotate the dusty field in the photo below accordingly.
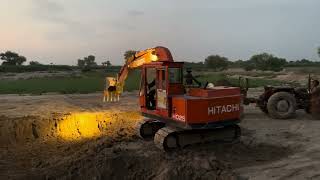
(290, 75)
(77, 136)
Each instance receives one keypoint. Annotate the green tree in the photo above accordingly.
(319, 51)
(33, 63)
(81, 63)
(90, 61)
(129, 53)
(238, 63)
(87, 63)
(248, 66)
(265, 62)
(12, 58)
(106, 63)
(216, 62)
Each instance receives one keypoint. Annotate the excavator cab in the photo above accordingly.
(159, 81)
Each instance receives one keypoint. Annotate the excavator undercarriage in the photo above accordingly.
(172, 137)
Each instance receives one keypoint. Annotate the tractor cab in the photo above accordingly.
(159, 82)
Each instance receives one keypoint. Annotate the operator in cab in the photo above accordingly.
(151, 95)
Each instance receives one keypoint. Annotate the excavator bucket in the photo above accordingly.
(113, 89)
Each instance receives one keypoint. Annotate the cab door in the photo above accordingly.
(162, 97)
(147, 94)
(142, 91)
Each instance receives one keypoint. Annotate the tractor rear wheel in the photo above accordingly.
(282, 105)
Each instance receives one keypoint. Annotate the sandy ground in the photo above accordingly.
(296, 77)
(79, 137)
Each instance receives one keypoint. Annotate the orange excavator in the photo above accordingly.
(176, 116)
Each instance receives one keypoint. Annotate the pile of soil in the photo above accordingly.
(68, 127)
(130, 163)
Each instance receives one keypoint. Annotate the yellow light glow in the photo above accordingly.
(154, 57)
(80, 125)
(88, 125)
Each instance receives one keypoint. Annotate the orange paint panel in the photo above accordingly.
(175, 89)
(213, 109)
(195, 110)
(217, 91)
(179, 109)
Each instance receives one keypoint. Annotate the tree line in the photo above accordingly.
(263, 61)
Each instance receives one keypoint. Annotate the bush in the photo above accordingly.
(266, 62)
(303, 63)
(217, 63)
(248, 66)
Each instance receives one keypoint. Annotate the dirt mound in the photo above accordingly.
(143, 163)
(68, 127)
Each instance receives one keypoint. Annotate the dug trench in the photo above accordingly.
(101, 144)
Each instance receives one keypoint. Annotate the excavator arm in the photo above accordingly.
(139, 59)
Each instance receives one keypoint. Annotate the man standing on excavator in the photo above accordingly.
(151, 94)
(189, 79)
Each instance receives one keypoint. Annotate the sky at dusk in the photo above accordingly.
(61, 31)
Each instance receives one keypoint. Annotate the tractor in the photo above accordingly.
(280, 102)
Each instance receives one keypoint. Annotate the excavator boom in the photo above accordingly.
(140, 58)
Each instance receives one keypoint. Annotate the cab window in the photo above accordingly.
(175, 75)
(162, 78)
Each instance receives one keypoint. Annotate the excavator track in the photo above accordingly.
(166, 138)
(147, 128)
(169, 138)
